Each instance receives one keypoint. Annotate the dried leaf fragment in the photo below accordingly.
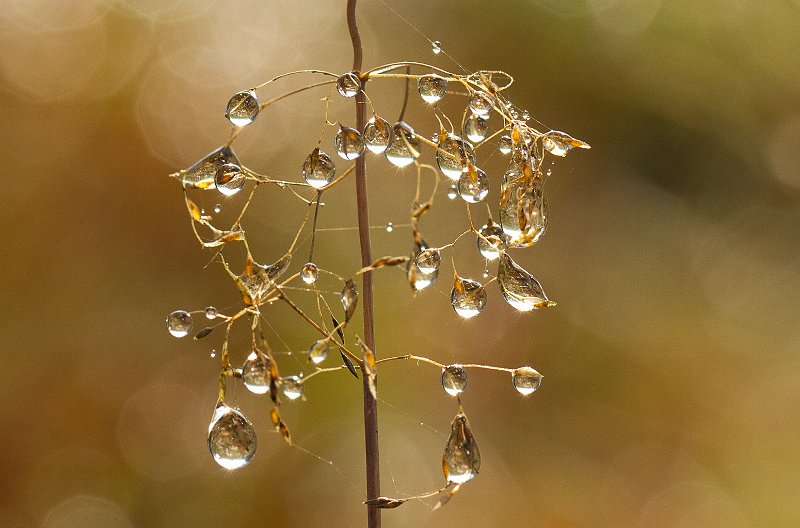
(383, 261)
(385, 502)
(349, 297)
(204, 332)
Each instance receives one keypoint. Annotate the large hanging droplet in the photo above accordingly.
(255, 372)
(349, 84)
(318, 169)
(377, 133)
(559, 143)
(231, 438)
(428, 260)
(520, 289)
(522, 206)
(436, 47)
(242, 108)
(309, 273)
(453, 155)
(492, 240)
(348, 143)
(468, 297)
(504, 144)
(432, 87)
(473, 185)
(318, 351)
(179, 323)
(202, 173)
(462, 458)
(229, 179)
(480, 103)
(404, 146)
(292, 387)
(476, 128)
(454, 379)
(526, 380)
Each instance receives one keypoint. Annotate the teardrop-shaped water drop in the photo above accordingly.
(211, 312)
(492, 240)
(377, 133)
(522, 207)
(242, 108)
(231, 438)
(468, 297)
(255, 372)
(229, 179)
(473, 186)
(436, 47)
(476, 128)
(559, 143)
(404, 146)
(309, 273)
(526, 380)
(504, 144)
(179, 323)
(202, 173)
(348, 85)
(318, 351)
(428, 260)
(432, 88)
(419, 280)
(318, 169)
(520, 289)
(454, 379)
(462, 458)
(348, 143)
(453, 155)
(292, 387)
(452, 191)
(480, 103)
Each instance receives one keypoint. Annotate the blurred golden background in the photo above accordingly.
(669, 398)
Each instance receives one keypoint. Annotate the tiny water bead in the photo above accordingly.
(453, 155)
(242, 108)
(377, 133)
(231, 438)
(404, 146)
(211, 312)
(436, 47)
(468, 297)
(462, 458)
(349, 84)
(318, 169)
(452, 191)
(309, 273)
(218, 208)
(492, 240)
(179, 323)
(520, 289)
(348, 143)
(473, 186)
(229, 179)
(318, 351)
(292, 387)
(255, 372)
(476, 128)
(504, 144)
(454, 379)
(526, 380)
(480, 103)
(428, 260)
(389, 227)
(432, 88)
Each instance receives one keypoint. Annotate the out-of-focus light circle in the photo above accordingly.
(86, 511)
(624, 16)
(64, 14)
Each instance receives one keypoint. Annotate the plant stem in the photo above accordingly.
(370, 405)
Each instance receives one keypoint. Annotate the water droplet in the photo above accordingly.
(349, 298)
(318, 169)
(229, 179)
(468, 297)
(389, 227)
(213, 353)
(377, 133)
(348, 84)
(292, 387)
(436, 47)
(432, 87)
(453, 155)
(309, 273)
(522, 207)
(428, 260)
(404, 146)
(492, 240)
(179, 323)
(476, 128)
(504, 144)
(454, 379)
(520, 289)
(526, 380)
(435, 137)
(526, 115)
(231, 438)
(217, 208)
(462, 458)
(202, 173)
(480, 103)
(211, 312)
(255, 372)
(559, 143)
(417, 279)
(486, 273)
(452, 192)
(348, 143)
(242, 108)
(473, 186)
(318, 351)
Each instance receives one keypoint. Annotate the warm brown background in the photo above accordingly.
(671, 362)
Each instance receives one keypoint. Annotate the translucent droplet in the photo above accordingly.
(559, 143)
(454, 379)
(520, 289)
(389, 227)
(292, 387)
(522, 207)
(526, 380)
(218, 208)
(318, 351)
(462, 458)
(428, 260)
(349, 298)
(318, 169)
(453, 155)
(435, 137)
(526, 115)
(201, 175)
(377, 133)
(480, 103)
(404, 146)
(348, 84)
(468, 297)
(309, 273)
(419, 280)
(476, 128)
(211, 312)
(436, 47)
(231, 438)
(213, 353)
(473, 186)
(452, 192)
(229, 179)
(242, 108)
(348, 143)
(486, 273)
(179, 323)
(432, 87)
(255, 372)
(492, 240)
(504, 144)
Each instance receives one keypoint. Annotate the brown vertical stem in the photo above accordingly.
(370, 405)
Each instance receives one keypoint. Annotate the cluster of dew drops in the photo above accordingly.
(522, 221)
